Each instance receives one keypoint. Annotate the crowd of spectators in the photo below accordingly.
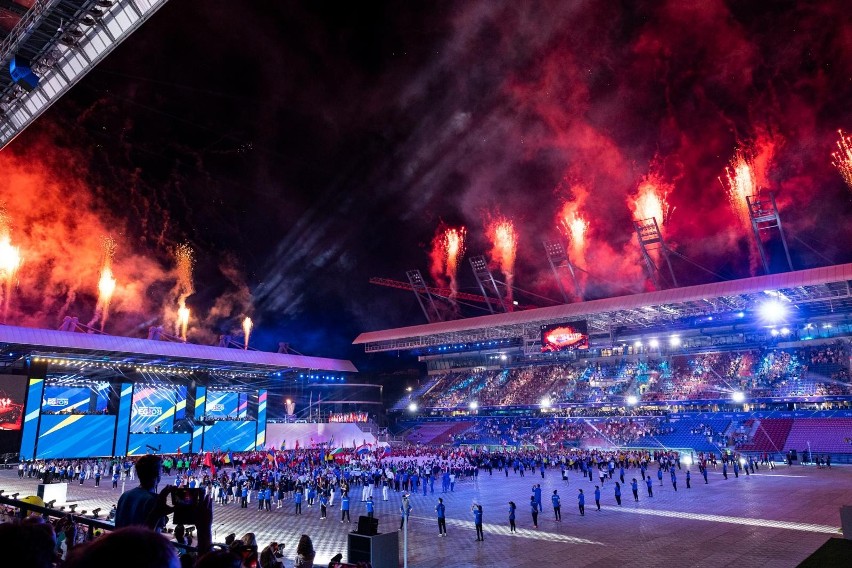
(772, 372)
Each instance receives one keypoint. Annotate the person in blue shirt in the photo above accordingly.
(370, 508)
(650, 486)
(660, 476)
(674, 479)
(688, 477)
(512, 508)
(598, 497)
(441, 510)
(621, 473)
(344, 508)
(618, 493)
(557, 505)
(477, 521)
(581, 502)
(323, 501)
(537, 493)
(542, 469)
(425, 482)
(244, 497)
(534, 510)
(431, 484)
(725, 469)
(297, 499)
(445, 481)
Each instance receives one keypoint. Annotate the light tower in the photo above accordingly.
(557, 256)
(424, 297)
(486, 282)
(651, 239)
(763, 214)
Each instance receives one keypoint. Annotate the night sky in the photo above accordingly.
(303, 147)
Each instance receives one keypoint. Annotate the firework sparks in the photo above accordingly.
(448, 247)
(247, 327)
(574, 226)
(10, 259)
(651, 200)
(106, 284)
(504, 247)
(842, 159)
(182, 322)
(740, 184)
(185, 260)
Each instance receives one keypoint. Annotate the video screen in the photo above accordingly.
(155, 408)
(568, 336)
(13, 389)
(231, 405)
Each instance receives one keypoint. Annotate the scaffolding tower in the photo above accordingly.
(763, 213)
(557, 256)
(487, 284)
(651, 239)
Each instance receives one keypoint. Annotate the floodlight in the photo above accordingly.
(637, 344)
(772, 311)
(674, 341)
(632, 400)
(473, 405)
(654, 343)
(546, 402)
(738, 397)
(412, 407)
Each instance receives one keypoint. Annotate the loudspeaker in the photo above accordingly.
(22, 74)
(368, 526)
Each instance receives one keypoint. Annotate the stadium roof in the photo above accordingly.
(133, 350)
(823, 290)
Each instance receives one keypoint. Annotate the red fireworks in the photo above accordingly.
(448, 247)
(504, 246)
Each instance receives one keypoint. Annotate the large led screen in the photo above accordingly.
(155, 408)
(13, 389)
(226, 404)
(567, 336)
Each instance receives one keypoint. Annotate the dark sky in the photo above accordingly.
(303, 147)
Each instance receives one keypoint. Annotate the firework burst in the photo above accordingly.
(504, 246)
(740, 184)
(842, 158)
(106, 283)
(651, 200)
(247, 327)
(10, 259)
(185, 260)
(448, 247)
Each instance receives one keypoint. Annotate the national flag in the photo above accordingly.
(228, 458)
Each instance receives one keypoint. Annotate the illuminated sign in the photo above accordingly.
(149, 411)
(57, 402)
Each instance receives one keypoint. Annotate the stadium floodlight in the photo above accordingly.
(408, 389)
(412, 407)
(674, 341)
(654, 343)
(637, 344)
(772, 311)
(632, 400)
(738, 397)
(785, 331)
(774, 332)
(687, 460)
(473, 405)
(546, 402)
(503, 356)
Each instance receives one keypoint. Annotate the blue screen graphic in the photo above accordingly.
(75, 436)
(155, 409)
(226, 404)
